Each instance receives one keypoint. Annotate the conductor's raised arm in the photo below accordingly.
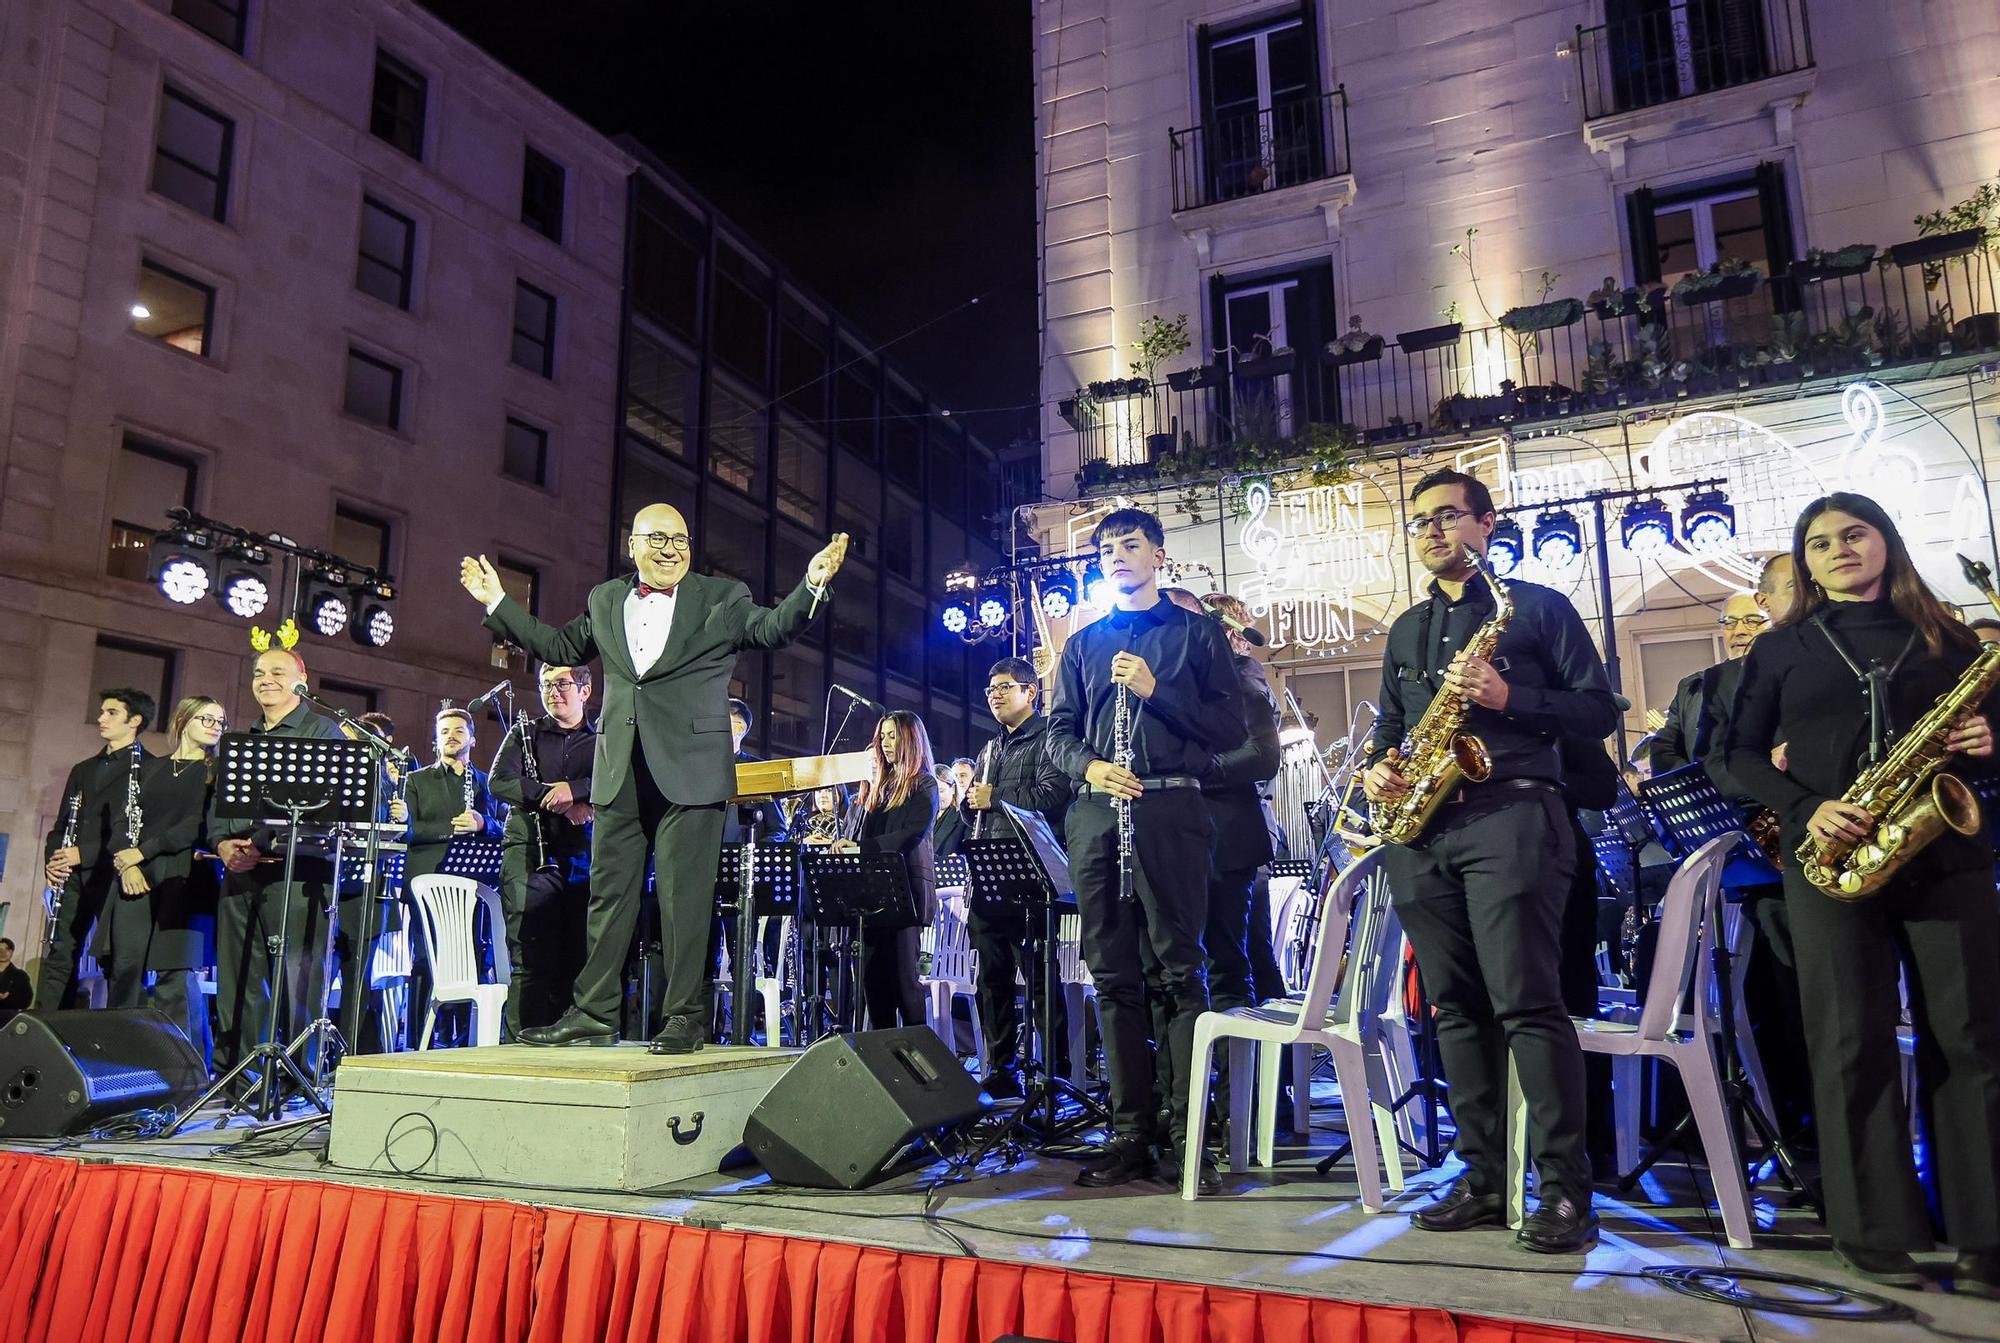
(570, 646)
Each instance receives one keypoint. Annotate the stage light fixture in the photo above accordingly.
(373, 625)
(1058, 594)
(1647, 527)
(993, 607)
(325, 603)
(182, 564)
(243, 580)
(1708, 521)
(957, 616)
(1503, 551)
(1097, 590)
(1558, 539)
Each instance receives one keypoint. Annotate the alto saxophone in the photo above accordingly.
(1908, 793)
(1439, 754)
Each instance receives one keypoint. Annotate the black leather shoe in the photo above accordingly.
(1890, 1268)
(1561, 1225)
(680, 1035)
(572, 1028)
(1127, 1157)
(1207, 1181)
(1977, 1273)
(1459, 1209)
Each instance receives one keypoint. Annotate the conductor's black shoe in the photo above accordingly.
(1561, 1225)
(1890, 1268)
(1127, 1157)
(571, 1028)
(1208, 1179)
(1977, 1273)
(1460, 1209)
(680, 1035)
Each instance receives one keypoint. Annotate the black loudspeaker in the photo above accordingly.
(851, 1106)
(64, 1073)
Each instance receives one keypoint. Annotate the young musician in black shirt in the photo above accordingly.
(1481, 890)
(83, 871)
(1861, 606)
(1183, 709)
(446, 799)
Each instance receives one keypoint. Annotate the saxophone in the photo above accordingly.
(1908, 793)
(1439, 754)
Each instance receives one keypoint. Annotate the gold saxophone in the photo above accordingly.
(1908, 793)
(1439, 754)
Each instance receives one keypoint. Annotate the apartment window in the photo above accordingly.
(362, 538)
(146, 481)
(1665, 662)
(191, 154)
(388, 253)
(223, 20)
(732, 542)
(356, 699)
(666, 270)
(802, 366)
(542, 183)
(742, 319)
(525, 452)
(903, 444)
(1660, 50)
(534, 329)
(801, 473)
(374, 390)
(396, 111)
(174, 308)
(659, 394)
(1261, 315)
(522, 582)
(1262, 123)
(125, 665)
(856, 408)
(903, 630)
(1687, 229)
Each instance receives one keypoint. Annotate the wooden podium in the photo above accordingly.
(761, 780)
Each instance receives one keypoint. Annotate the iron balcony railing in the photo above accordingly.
(1920, 309)
(1689, 47)
(1290, 142)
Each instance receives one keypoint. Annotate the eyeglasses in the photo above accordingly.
(1756, 622)
(662, 540)
(1008, 687)
(559, 686)
(211, 720)
(1444, 520)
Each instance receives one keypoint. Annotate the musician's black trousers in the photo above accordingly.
(83, 898)
(686, 843)
(1942, 927)
(1151, 942)
(1481, 897)
(1001, 942)
(545, 912)
(889, 984)
(253, 907)
(1231, 934)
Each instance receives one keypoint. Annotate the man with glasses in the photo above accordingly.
(669, 639)
(1016, 768)
(1703, 697)
(1481, 891)
(544, 905)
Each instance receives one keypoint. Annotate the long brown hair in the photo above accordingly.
(912, 762)
(1908, 593)
(184, 713)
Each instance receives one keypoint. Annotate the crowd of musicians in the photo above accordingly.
(1151, 752)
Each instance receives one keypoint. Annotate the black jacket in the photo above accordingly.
(1237, 783)
(1693, 728)
(17, 992)
(679, 709)
(435, 794)
(906, 829)
(1024, 772)
(101, 780)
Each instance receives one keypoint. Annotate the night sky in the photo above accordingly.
(884, 152)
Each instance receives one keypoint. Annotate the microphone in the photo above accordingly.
(479, 701)
(859, 698)
(1251, 634)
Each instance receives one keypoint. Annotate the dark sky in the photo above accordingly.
(883, 151)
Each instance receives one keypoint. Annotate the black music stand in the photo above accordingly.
(772, 871)
(862, 891)
(1692, 812)
(334, 780)
(476, 857)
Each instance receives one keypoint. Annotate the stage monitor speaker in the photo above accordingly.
(852, 1105)
(65, 1073)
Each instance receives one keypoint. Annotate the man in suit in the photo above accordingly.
(668, 639)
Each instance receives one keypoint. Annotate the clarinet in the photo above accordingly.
(1121, 756)
(135, 819)
(531, 770)
(986, 777)
(52, 895)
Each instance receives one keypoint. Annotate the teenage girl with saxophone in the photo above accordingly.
(1862, 630)
(1482, 883)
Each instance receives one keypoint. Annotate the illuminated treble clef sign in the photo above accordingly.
(1886, 472)
(1260, 540)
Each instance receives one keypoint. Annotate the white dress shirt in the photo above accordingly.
(647, 620)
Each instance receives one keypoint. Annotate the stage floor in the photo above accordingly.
(1286, 1229)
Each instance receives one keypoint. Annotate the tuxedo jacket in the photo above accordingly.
(678, 711)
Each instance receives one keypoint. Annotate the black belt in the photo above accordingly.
(1473, 792)
(1164, 781)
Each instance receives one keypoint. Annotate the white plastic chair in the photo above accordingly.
(1688, 918)
(769, 981)
(1358, 900)
(446, 907)
(954, 973)
(1079, 991)
(1397, 1049)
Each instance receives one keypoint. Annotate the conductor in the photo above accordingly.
(668, 639)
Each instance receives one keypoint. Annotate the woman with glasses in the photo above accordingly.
(164, 917)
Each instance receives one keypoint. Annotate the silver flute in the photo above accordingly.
(531, 770)
(1121, 756)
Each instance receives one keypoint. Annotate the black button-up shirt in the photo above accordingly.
(1556, 684)
(562, 755)
(100, 820)
(1196, 710)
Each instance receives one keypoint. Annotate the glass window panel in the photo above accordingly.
(801, 474)
(523, 582)
(732, 543)
(361, 537)
(173, 308)
(645, 478)
(396, 111)
(856, 409)
(222, 20)
(903, 444)
(735, 440)
(525, 452)
(802, 371)
(856, 628)
(534, 329)
(903, 538)
(121, 664)
(543, 181)
(1739, 230)
(666, 274)
(659, 391)
(904, 629)
(374, 390)
(387, 253)
(146, 481)
(191, 155)
(798, 689)
(742, 328)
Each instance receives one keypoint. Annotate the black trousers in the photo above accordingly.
(253, 908)
(1771, 997)
(124, 933)
(889, 984)
(1001, 943)
(685, 843)
(1481, 897)
(128, 944)
(1579, 990)
(1266, 981)
(1943, 929)
(546, 911)
(1151, 942)
(1228, 934)
(82, 900)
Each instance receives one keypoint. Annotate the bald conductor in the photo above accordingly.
(668, 639)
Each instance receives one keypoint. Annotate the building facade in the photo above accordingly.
(1582, 249)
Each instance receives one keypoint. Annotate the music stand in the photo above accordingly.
(261, 775)
(476, 857)
(1691, 811)
(861, 890)
(772, 873)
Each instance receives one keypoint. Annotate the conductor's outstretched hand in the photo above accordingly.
(477, 577)
(824, 565)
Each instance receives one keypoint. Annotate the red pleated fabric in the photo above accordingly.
(126, 1252)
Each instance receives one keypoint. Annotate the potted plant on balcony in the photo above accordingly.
(1354, 346)
(1273, 364)
(1530, 318)
(1159, 340)
(1193, 379)
(1839, 263)
(1728, 278)
(1970, 225)
(1610, 302)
